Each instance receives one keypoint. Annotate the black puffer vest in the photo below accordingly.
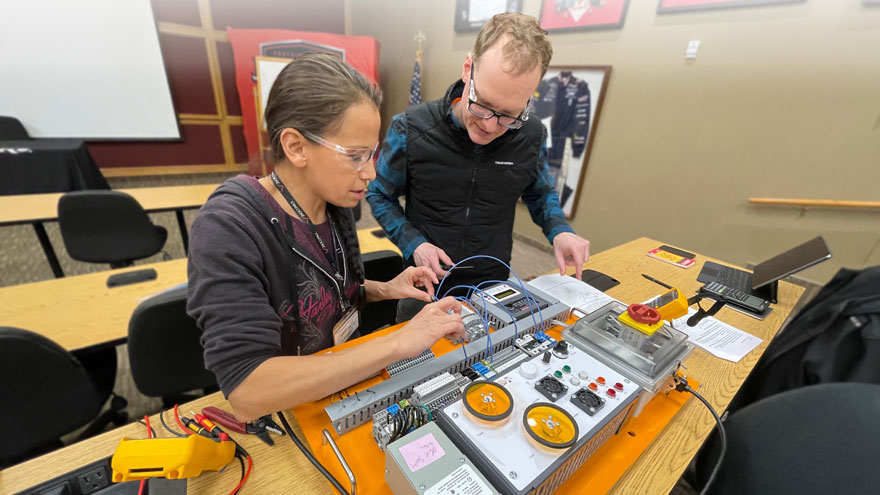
(462, 196)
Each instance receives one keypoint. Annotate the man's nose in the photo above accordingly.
(490, 125)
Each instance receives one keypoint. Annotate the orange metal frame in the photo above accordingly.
(597, 475)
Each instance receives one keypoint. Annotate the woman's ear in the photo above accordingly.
(293, 144)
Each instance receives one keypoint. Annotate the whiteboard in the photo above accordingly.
(84, 69)
(268, 69)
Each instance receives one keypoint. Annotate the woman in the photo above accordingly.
(274, 266)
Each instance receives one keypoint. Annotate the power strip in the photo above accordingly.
(86, 480)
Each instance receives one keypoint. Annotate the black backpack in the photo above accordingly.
(835, 338)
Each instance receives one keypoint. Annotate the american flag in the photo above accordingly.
(415, 89)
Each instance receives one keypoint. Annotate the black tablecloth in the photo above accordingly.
(46, 166)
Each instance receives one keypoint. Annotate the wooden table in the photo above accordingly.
(281, 469)
(80, 311)
(36, 209)
(278, 469)
(663, 462)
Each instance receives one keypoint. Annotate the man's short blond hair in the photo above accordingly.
(527, 45)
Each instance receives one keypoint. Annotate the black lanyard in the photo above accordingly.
(305, 218)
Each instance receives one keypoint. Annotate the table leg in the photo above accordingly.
(181, 222)
(47, 248)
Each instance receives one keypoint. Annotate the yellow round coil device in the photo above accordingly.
(550, 425)
(488, 401)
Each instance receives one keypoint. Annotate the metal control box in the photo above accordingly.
(427, 462)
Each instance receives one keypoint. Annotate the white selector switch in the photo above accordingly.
(528, 370)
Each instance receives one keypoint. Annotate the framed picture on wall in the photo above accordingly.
(577, 15)
(569, 102)
(671, 6)
(470, 15)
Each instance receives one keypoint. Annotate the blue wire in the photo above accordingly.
(484, 318)
(533, 303)
(529, 298)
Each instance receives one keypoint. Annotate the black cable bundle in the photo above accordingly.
(407, 419)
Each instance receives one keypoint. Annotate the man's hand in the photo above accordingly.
(571, 250)
(435, 321)
(404, 285)
(431, 256)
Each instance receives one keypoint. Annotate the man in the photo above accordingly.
(464, 160)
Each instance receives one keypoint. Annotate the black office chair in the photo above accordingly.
(381, 266)
(165, 351)
(107, 227)
(46, 393)
(12, 130)
(813, 440)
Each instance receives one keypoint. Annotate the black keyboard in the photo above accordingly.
(734, 278)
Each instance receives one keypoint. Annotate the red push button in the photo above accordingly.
(611, 393)
(593, 387)
(601, 380)
(619, 386)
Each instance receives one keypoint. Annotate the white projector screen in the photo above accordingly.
(88, 69)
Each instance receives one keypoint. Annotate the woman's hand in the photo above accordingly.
(404, 285)
(435, 321)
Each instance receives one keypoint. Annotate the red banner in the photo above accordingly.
(559, 15)
(361, 52)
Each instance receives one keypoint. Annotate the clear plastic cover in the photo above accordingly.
(650, 355)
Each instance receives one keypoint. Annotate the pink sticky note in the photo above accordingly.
(422, 452)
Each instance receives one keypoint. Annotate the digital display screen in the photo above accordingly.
(754, 301)
(505, 293)
(666, 299)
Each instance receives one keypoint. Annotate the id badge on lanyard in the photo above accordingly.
(346, 326)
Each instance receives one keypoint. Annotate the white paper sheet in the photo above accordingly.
(718, 338)
(572, 292)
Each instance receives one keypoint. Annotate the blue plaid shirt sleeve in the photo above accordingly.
(543, 202)
(389, 185)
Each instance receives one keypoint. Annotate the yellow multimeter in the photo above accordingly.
(670, 305)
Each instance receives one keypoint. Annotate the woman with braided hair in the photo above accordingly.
(274, 267)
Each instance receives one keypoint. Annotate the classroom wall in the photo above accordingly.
(201, 73)
(782, 101)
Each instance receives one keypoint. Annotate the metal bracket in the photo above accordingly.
(326, 438)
